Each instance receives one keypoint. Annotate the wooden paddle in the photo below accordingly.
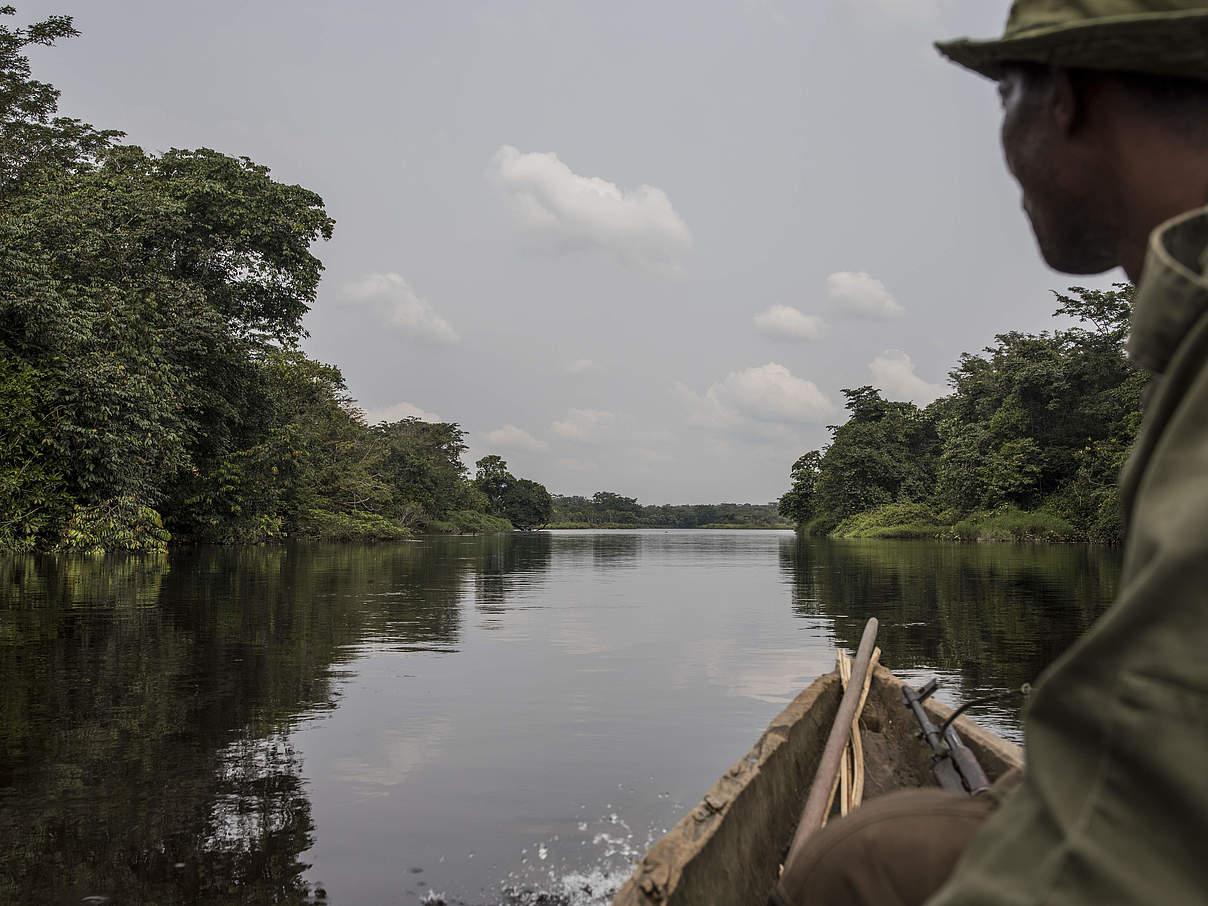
(818, 802)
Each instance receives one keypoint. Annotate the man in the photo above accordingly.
(1105, 128)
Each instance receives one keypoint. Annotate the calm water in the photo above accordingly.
(488, 718)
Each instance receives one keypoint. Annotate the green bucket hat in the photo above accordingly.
(1158, 37)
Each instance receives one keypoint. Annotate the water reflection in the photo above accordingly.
(239, 724)
(128, 732)
(610, 550)
(506, 572)
(144, 732)
(995, 615)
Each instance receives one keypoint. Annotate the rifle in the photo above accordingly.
(954, 764)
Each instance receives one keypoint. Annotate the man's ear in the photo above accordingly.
(1066, 100)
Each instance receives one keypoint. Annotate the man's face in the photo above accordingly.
(1064, 192)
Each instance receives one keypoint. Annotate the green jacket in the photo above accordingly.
(1113, 808)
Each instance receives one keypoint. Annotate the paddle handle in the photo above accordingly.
(828, 766)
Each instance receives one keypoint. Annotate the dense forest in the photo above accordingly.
(605, 509)
(1027, 446)
(153, 387)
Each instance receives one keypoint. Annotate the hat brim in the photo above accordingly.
(1169, 44)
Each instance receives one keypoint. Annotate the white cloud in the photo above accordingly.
(582, 366)
(765, 393)
(771, 393)
(398, 412)
(584, 425)
(789, 323)
(862, 295)
(509, 437)
(394, 301)
(639, 227)
(706, 411)
(893, 373)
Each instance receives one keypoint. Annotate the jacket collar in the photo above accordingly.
(1173, 291)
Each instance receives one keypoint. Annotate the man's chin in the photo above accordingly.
(1078, 269)
(1081, 261)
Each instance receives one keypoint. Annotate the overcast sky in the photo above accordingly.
(628, 246)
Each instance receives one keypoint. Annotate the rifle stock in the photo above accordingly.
(953, 763)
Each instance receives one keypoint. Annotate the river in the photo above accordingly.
(493, 719)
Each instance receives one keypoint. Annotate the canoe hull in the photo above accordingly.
(728, 849)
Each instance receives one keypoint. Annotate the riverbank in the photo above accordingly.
(915, 520)
(459, 522)
(728, 526)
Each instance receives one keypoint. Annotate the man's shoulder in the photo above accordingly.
(1172, 294)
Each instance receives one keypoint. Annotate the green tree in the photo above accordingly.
(797, 503)
(526, 504)
(32, 137)
(1039, 422)
(884, 453)
(151, 307)
(523, 502)
(1045, 420)
(493, 478)
(138, 294)
(616, 509)
(424, 469)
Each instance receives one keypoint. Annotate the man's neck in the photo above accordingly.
(1158, 179)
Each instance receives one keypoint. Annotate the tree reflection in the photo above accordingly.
(144, 726)
(508, 564)
(612, 550)
(997, 614)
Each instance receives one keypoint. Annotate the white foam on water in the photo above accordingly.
(588, 874)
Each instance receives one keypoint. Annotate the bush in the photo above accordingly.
(322, 525)
(469, 522)
(815, 528)
(1011, 524)
(893, 520)
(117, 524)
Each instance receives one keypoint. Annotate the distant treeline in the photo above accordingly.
(1027, 446)
(150, 377)
(606, 509)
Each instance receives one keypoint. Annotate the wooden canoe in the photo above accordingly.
(727, 850)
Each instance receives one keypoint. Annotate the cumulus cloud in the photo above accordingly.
(509, 437)
(584, 425)
(706, 411)
(789, 323)
(397, 305)
(398, 412)
(862, 295)
(639, 227)
(893, 373)
(765, 393)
